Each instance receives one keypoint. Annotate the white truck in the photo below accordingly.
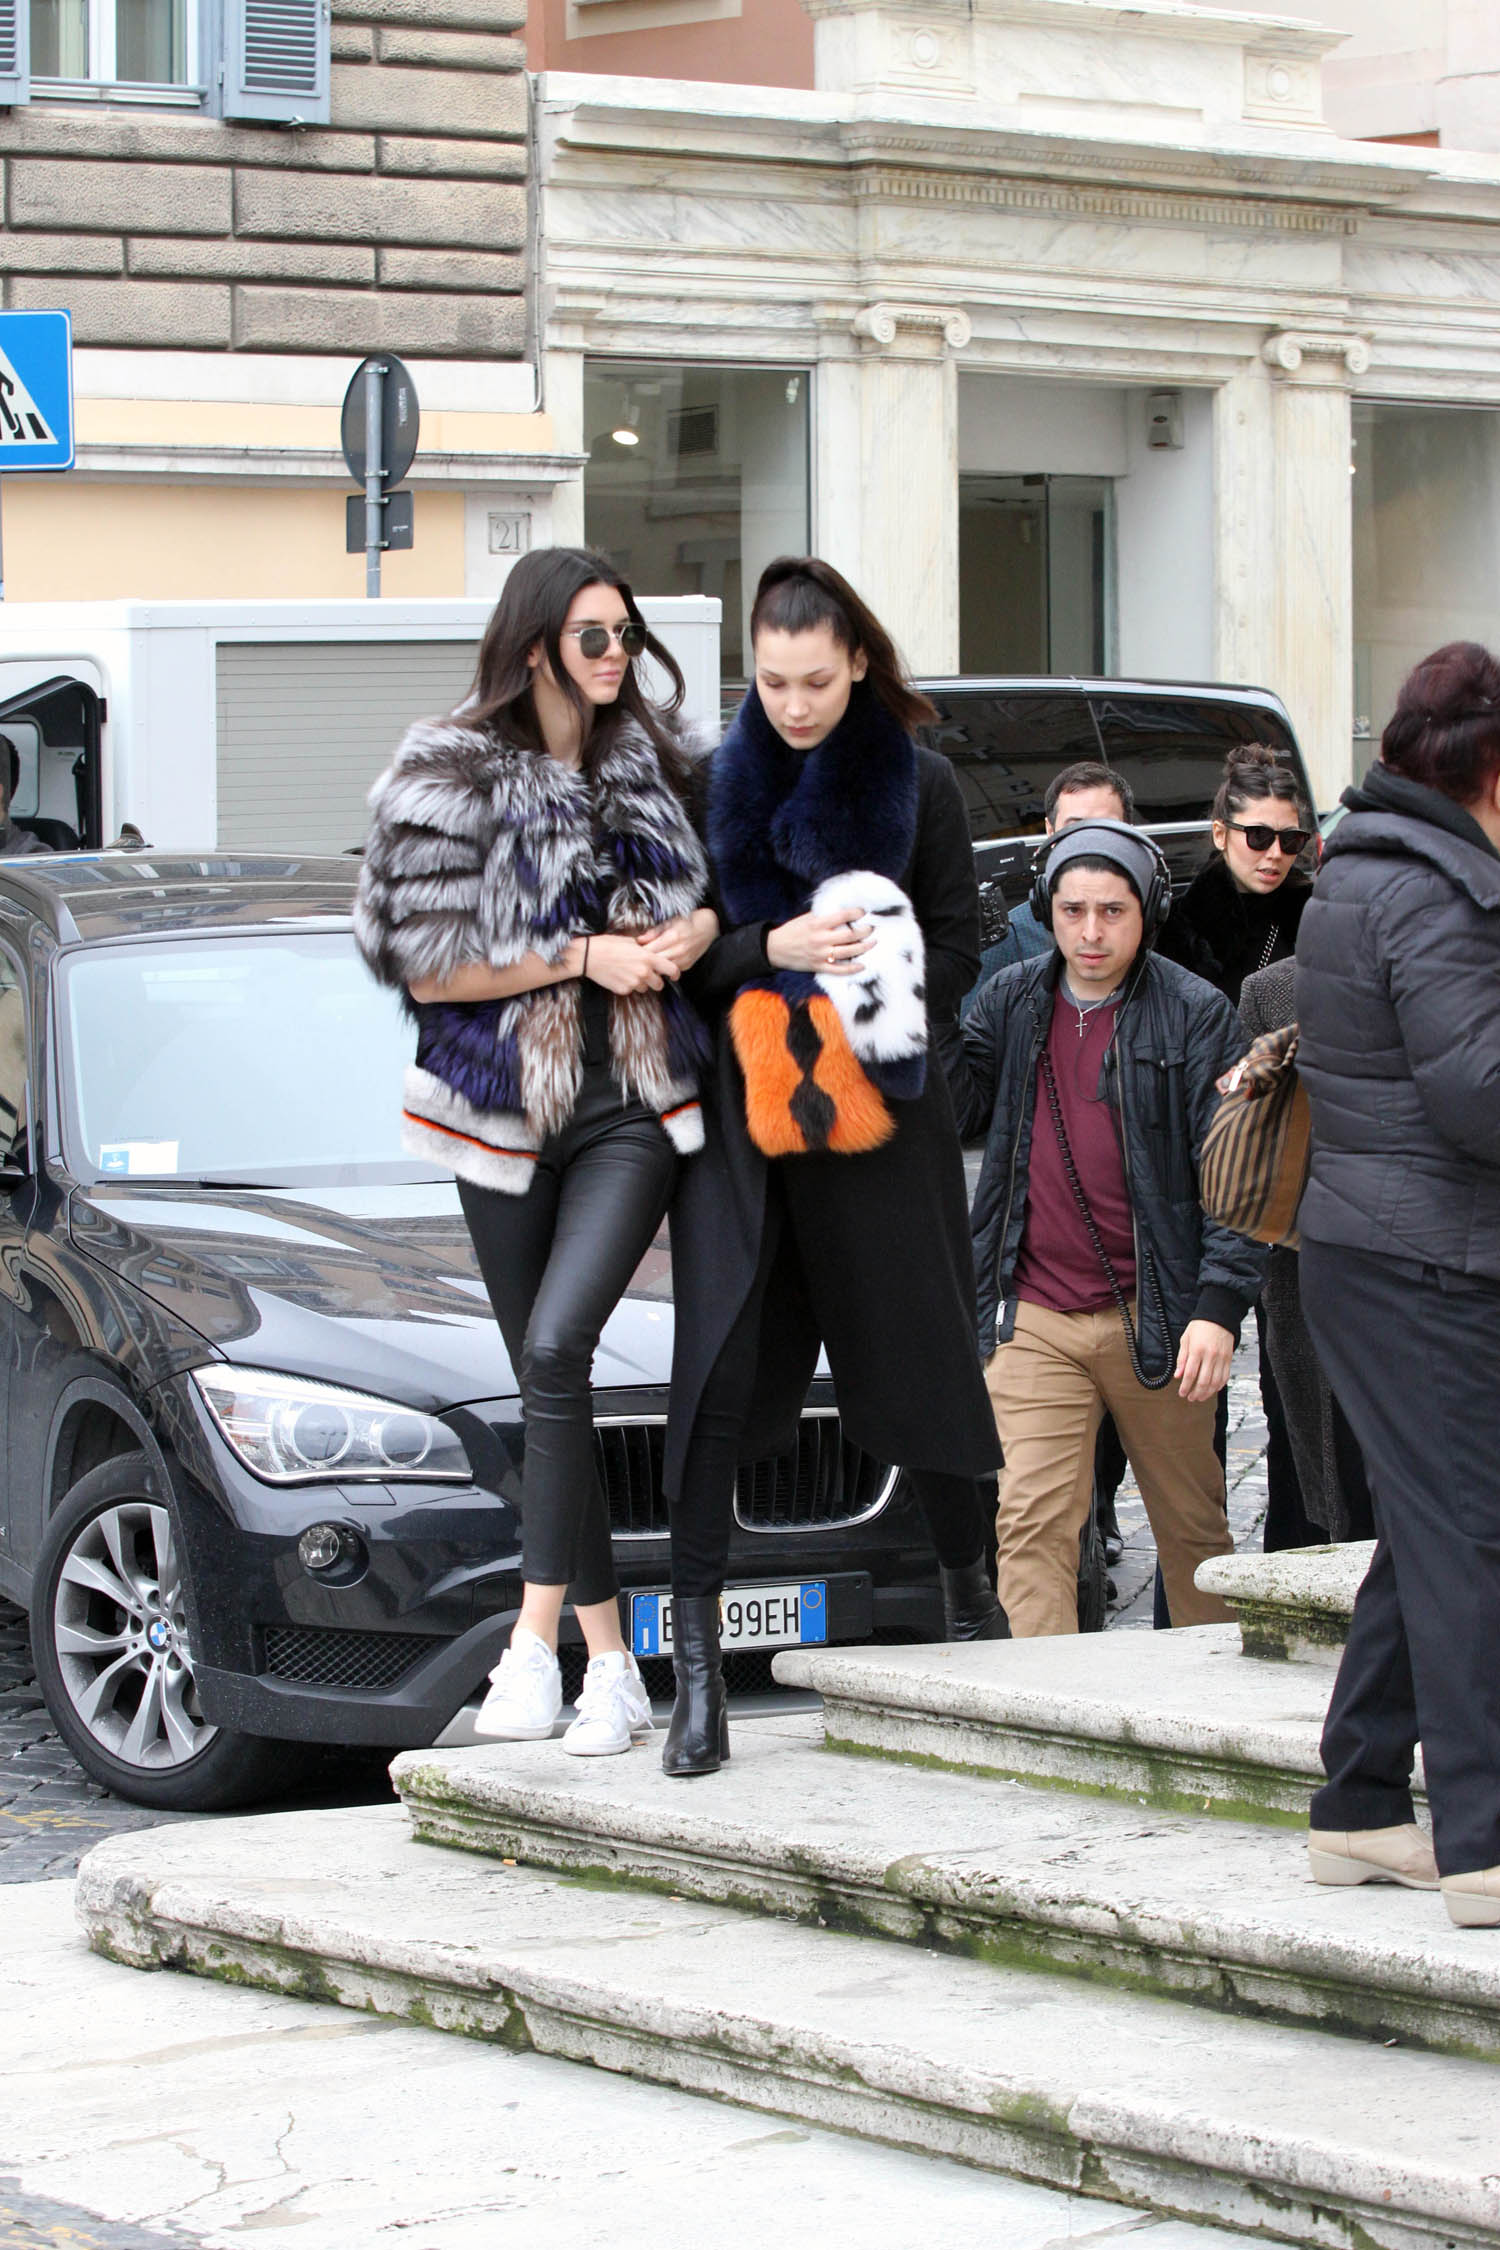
(246, 726)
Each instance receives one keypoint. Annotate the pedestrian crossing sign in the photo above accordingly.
(36, 391)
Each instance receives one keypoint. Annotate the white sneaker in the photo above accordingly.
(613, 1708)
(526, 1692)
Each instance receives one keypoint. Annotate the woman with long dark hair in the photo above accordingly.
(1398, 1003)
(533, 881)
(829, 1205)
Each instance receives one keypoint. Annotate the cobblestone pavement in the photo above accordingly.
(50, 1812)
(1134, 1576)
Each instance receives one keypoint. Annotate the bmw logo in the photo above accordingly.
(158, 1634)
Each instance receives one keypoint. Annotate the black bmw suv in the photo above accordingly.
(262, 1444)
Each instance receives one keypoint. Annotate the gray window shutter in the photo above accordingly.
(275, 60)
(15, 52)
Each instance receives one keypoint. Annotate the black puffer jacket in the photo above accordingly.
(1175, 1036)
(1398, 998)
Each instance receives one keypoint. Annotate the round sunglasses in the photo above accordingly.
(594, 640)
(1261, 838)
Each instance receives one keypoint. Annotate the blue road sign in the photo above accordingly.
(36, 391)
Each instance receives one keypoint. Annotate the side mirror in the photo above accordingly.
(13, 1173)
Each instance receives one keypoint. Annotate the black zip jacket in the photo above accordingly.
(1398, 998)
(1174, 1037)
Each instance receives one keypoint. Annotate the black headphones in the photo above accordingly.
(1156, 904)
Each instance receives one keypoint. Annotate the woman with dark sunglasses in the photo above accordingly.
(1238, 916)
(534, 883)
(1241, 913)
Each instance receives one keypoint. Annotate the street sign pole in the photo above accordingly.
(378, 429)
(374, 474)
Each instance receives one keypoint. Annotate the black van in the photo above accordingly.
(1008, 738)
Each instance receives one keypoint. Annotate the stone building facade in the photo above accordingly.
(224, 278)
(1076, 334)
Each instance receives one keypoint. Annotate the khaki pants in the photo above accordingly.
(1049, 1387)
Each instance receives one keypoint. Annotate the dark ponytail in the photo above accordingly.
(1254, 773)
(798, 593)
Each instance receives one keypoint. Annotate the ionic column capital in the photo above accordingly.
(1287, 351)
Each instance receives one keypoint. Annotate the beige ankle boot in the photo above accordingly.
(1375, 1855)
(1473, 1901)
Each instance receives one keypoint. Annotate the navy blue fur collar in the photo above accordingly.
(781, 821)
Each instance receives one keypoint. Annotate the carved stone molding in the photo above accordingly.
(882, 324)
(1288, 350)
(891, 183)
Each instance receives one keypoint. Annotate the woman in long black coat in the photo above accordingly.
(829, 1205)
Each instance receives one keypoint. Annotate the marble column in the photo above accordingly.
(562, 395)
(1285, 591)
(887, 472)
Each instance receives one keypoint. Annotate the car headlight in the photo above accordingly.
(289, 1431)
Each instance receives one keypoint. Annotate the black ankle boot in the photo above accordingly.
(698, 1737)
(971, 1609)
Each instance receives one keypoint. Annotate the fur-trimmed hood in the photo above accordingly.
(481, 852)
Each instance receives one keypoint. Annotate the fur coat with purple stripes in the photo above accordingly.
(482, 852)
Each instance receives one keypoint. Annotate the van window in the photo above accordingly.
(13, 1118)
(1006, 746)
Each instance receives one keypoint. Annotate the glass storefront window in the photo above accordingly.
(1036, 574)
(697, 477)
(1426, 545)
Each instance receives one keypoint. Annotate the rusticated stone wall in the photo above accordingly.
(399, 226)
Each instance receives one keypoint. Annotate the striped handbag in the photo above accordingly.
(1255, 1157)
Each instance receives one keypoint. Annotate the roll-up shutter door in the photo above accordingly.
(306, 727)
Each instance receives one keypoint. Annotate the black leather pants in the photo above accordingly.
(556, 1262)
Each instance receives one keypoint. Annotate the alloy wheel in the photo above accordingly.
(120, 1630)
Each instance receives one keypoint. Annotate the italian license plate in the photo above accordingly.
(786, 1616)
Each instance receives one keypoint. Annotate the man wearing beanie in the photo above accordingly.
(1091, 1073)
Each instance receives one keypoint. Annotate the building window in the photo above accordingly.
(250, 59)
(112, 42)
(1426, 545)
(1036, 574)
(696, 478)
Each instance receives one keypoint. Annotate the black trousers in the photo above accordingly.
(1413, 1353)
(1288, 1523)
(703, 1517)
(556, 1261)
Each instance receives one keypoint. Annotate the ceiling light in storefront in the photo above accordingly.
(625, 431)
(626, 436)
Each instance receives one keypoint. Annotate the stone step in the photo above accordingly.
(1180, 1720)
(1220, 1912)
(1294, 1606)
(1285, 2133)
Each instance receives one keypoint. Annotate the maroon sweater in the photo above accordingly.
(1058, 1266)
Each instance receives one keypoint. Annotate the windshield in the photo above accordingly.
(259, 1059)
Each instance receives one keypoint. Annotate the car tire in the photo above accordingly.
(114, 1661)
